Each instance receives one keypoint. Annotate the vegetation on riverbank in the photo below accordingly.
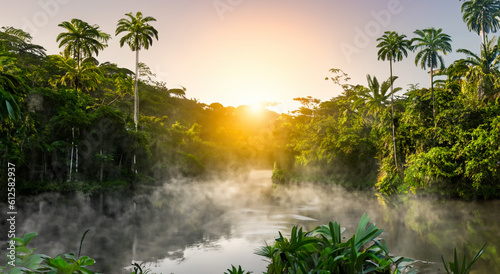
(69, 118)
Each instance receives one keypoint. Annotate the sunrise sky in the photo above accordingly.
(239, 52)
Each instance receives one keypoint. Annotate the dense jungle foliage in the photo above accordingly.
(70, 122)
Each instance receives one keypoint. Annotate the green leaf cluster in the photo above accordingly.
(324, 250)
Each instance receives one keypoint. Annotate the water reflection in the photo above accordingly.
(190, 227)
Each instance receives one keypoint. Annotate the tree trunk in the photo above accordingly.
(71, 155)
(136, 91)
(392, 121)
(484, 36)
(136, 100)
(432, 96)
(102, 167)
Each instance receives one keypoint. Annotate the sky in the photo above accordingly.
(241, 52)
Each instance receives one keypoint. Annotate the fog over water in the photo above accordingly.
(204, 227)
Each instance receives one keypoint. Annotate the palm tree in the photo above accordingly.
(393, 47)
(139, 36)
(87, 74)
(431, 42)
(81, 41)
(481, 16)
(19, 42)
(376, 96)
(479, 72)
(16, 43)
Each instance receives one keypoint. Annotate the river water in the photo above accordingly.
(205, 227)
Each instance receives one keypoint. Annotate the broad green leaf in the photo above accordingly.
(28, 237)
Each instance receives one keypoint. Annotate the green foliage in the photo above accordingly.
(464, 160)
(140, 269)
(464, 268)
(444, 139)
(323, 251)
(279, 175)
(27, 261)
(332, 141)
(77, 117)
(235, 270)
(480, 16)
(8, 106)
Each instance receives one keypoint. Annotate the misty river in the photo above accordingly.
(205, 227)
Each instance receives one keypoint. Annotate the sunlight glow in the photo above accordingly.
(256, 108)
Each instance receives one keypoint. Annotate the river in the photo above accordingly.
(205, 227)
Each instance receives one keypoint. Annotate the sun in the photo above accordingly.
(256, 108)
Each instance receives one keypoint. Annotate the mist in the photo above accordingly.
(189, 225)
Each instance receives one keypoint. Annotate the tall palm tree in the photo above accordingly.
(139, 35)
(479, 72)
(431, 42)
(481, 16)
(393, 47)
(81, 40)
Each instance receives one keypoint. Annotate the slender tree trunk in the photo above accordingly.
(76, 160)
(71, 157)
(73, 128)
(44, 164)
(136, 99)
(101, 175)
(484, 36)
(432, 96)
(392, 121)
(136, 91)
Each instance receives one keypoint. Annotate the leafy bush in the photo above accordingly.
(464, 268)
(27, 261)
(235, 270)
(279, 175)
(322, 251)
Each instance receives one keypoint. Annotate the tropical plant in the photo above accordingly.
(393, 47)
(464, 267)
(116, 84)
(235, 270)
(479, 72)
(81, 40)
(431, 42)
(86, 75)
(481, 16)
(9, 85)
(139, 35)
(279, 175)
(323, 251)
(140, 268)
(27, 261)
(19, 42)
(375, 96)
(8, 106)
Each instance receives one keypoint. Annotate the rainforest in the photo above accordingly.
(86, 132)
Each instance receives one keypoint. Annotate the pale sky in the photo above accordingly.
(243, 51)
